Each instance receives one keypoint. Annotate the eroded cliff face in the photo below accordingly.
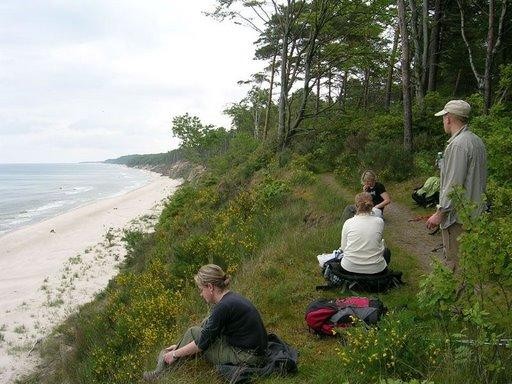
(179, 170)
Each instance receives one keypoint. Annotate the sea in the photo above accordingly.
(30, 193)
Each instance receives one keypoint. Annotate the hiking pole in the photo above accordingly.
(437, 248)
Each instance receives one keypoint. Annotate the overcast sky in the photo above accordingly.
(87, 80)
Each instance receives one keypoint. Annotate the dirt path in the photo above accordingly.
(402, 228)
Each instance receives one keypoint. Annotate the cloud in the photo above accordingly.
(104, 78)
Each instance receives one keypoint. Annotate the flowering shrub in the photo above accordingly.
(139, 312)
(391, 350)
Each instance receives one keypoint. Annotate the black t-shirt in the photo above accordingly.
(376, 192)
(237, 319)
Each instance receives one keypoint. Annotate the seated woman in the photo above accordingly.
(233, 333)
(363, 248)
(380, 197)
(378, 192)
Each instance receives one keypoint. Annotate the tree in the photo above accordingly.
(254, 14)
(198, 141)
(406, 79)
(247, 114)
(491, 44)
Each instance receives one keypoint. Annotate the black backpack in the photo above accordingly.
(336, 278)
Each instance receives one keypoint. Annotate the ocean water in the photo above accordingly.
(30, 193)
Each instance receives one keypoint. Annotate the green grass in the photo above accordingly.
(279, 276)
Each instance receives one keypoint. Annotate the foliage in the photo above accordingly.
(300, 174)
(477, 296)
(167, 158)
(199, 142)
(391, 350)
(496, 132)
(139, 311)
(390, 161)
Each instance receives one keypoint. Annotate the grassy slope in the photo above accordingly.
(281, 281)
(281, 278)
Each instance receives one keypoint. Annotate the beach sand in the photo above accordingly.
(47, 270)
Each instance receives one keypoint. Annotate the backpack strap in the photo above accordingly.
(361, 313)
(347, 311)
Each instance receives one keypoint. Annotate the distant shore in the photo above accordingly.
(50, 268)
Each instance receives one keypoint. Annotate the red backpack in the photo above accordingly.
(324, 315)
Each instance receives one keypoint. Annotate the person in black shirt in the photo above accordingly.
(379, 195)
(233, 333)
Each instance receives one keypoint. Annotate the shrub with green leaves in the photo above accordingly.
(496, 131)
(138, 312)
(390, 350)
(389, 160)
(474, 303)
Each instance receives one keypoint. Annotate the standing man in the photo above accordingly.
(464, 163)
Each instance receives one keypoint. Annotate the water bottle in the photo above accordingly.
(439, 157)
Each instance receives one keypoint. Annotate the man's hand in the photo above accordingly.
(434, 220)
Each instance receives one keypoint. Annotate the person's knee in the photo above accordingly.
(191, 334)
(195, 332)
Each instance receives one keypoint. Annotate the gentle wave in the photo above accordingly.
(77, 190)
(34, 192)
(52, 205)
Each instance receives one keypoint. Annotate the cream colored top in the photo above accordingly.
(362, 244)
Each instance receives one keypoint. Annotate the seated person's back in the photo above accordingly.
(362, 245)
(361, 240)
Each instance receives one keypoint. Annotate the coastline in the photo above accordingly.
(48, 269)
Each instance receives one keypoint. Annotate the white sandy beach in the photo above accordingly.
(50, 268)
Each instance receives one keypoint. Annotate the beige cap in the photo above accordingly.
(456, 107)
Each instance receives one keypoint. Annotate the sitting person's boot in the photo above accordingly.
(151, 375)
(157, 372)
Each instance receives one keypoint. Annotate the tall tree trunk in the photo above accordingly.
(329, 86)
(488, 59)
(366, 87)
(435, 37)
(391, 67)
(317, 102)
(424, 55)
(343, 90)
(256, 121)
(269, 99)
(417, 52)
(457, 81)
(283, 94)
(406, 78)
(306, 87)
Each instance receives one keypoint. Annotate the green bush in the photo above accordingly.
(271, 192)
(139, 311)
(391, 350)
(386, 128)
(474, 304)
(389, 160)
(496, 134)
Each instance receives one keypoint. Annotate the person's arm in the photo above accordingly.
(386, 200)
(436, 219)
(343, 237)
(455, 169)
(187, 350)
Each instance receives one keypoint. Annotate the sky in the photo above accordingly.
(89, 80)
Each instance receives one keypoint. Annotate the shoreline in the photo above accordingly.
(152, 176)
(48, 269)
